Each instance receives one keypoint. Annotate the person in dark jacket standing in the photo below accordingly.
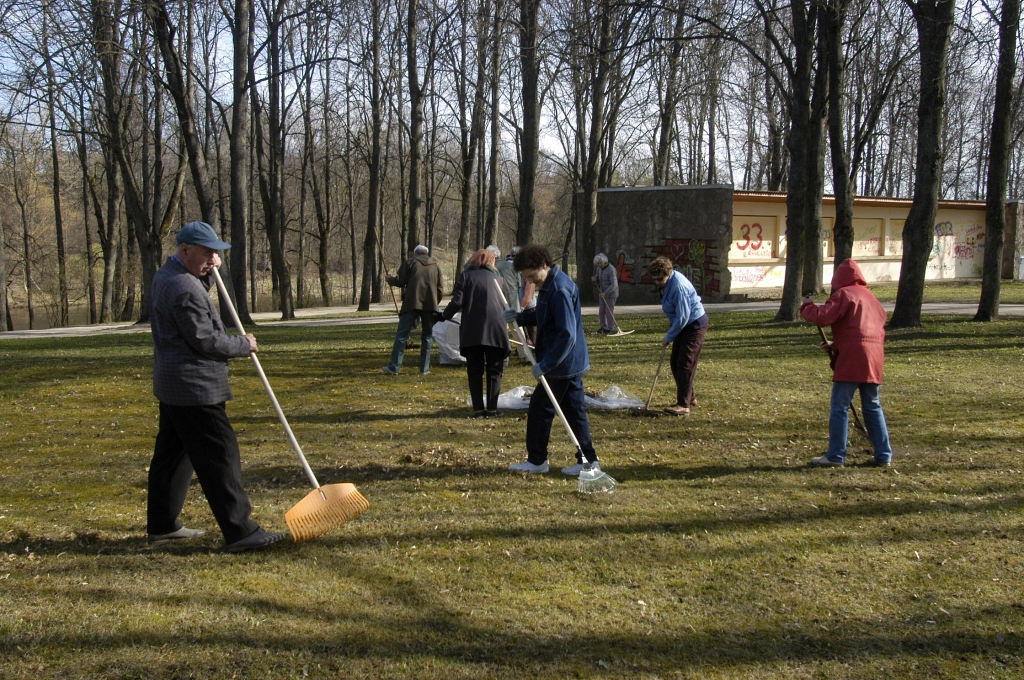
(562, 358)
(858, 350)
(421, 282)
(688, 326)
(483, 335)
(191, 349)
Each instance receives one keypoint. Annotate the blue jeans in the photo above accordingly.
(569, 393)
(405, 324)
(874, 421)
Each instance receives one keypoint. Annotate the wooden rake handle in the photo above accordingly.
(543, 381)
(266, 383)
(656, 373)
(831, 353)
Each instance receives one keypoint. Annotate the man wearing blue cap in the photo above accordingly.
(191, 349)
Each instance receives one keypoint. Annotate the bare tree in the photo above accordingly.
(998, 163)
(934, 20)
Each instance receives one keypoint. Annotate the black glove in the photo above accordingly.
(439, 317)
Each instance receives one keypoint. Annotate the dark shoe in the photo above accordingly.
(480, 414)
(492, 414)
(175, 535)
(874, 462)
(389, 370)
(256, 540)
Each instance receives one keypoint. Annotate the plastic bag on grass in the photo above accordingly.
(612, 398)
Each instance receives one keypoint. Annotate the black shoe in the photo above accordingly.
(874, 462)
(479, 414)
(492, 414)
(256, 540)
(175, 535)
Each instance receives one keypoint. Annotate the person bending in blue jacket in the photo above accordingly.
(562, 358)
(689, 326)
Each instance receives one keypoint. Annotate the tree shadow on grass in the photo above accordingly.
(401, 621)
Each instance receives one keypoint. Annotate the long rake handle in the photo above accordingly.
(266, 383)
(543, 381)
(387, 274)
(653, 384)
(853, 409)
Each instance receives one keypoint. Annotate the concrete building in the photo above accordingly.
(729, 241)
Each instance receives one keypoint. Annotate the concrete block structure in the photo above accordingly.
(729, 241)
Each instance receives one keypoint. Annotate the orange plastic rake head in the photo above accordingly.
(324, 509)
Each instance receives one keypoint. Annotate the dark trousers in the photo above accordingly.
(197, 438)
(483, 359)
(569, 393)
(685, 353)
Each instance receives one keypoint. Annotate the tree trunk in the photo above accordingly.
(491, 230)
(238, 153)
(58, 215)
(998, 163)
(813, 257)
(668, 105)
(5, 314)
(373, 191)
(842, 182)
(529, 141)
(934, 20)
(415, 130)
(799, 142)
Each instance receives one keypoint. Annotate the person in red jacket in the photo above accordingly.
(858, 352)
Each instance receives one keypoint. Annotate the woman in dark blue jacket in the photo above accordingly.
(483, 335)
(562, 358)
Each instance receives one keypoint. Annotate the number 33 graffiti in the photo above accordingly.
(746, 242)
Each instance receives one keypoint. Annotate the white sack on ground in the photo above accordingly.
(611, 398)
(446, 335)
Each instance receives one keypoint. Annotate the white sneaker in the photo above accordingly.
(527, 466)
(574, 470)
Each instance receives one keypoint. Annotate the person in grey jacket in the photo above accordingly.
(422, 289)
(191, 349)
(607, 281)
(483, 335)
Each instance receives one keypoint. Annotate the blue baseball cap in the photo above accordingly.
(201, 234)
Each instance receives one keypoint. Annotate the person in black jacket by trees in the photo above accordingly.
(483, 335)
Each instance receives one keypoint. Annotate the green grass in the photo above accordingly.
(720, 555)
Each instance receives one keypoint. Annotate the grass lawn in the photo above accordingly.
(967, 291)
(720, 555)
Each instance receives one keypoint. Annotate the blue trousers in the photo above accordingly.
(874, 421)
(405, 324)
(569, 393)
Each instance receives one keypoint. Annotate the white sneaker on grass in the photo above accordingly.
(527, 466)
(574, 470)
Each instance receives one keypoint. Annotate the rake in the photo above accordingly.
(325, 507)
(591, 479)
(618, 331)
(832, 355)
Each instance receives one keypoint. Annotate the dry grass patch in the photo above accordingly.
(720, 555)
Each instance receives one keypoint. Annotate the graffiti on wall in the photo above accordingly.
(624, 267)
(694, 258)
(958, 250)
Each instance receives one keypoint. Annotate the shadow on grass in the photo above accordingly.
(403, 622)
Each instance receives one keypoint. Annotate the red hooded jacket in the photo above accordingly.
(858, 326)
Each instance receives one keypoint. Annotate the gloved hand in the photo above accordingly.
(509, 314)
(537, 371)
(439, 317)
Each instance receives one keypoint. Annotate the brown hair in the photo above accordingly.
(532, 256)
(659, 268)
(481, 258)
